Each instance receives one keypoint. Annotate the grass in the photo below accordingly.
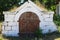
(0, 25)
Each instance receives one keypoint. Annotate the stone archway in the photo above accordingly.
(28, 22)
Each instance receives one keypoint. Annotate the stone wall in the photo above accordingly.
(47, 25)
(10, 28)
(9, 17)
(47, 17)
(10, 25)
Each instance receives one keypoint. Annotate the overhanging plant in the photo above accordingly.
(38, 32)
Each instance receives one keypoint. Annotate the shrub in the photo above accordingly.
(38, 33)
(57, 19)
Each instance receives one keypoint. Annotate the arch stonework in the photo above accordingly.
(18, 15)
(30, 7)
(36, 12)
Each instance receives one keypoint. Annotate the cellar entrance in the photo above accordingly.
(28, 23)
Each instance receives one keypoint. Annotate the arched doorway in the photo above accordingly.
(28, 22)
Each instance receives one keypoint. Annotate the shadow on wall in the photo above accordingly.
(50, 36)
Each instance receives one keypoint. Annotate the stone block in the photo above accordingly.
(7, 28)
(48, 27)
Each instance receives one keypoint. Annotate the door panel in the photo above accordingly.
(28, 22)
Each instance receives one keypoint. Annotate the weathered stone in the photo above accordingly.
(27, 18)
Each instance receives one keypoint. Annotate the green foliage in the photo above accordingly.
(8, 4)
(44, 1)
(1, 17)
(53, 7)
(38, 33)
(5, 5)
(50, 4)
(57, 19)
